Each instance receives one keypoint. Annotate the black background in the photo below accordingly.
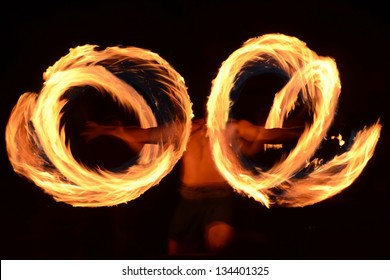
(195, 38)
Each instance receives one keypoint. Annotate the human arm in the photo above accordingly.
(135, 137)
(249, 139)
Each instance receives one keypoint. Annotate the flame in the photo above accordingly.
(37, 148)
(316, 78)
(36, 143)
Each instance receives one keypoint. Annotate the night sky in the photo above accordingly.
(195, 38)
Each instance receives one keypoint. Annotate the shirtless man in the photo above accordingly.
(203, 222)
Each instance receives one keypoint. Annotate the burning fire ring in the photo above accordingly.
(316, 80)
(36, 142)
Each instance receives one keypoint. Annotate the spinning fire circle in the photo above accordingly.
(36, 142)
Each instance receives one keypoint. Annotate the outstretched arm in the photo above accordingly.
(135, 137)
(250, 138)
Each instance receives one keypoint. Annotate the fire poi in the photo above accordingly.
(37, 148)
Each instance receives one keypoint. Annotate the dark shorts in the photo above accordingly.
(199, 208)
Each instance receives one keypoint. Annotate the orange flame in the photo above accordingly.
(317, 79)
(37, 150)
(36, 143)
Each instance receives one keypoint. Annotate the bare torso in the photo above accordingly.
(198, 166)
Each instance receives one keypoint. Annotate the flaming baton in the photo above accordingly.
(36, 143)
(316, 78)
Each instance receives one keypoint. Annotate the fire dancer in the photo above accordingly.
(203, 221)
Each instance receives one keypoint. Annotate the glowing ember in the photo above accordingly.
(36, 142)
(316, 78)
(340, 138)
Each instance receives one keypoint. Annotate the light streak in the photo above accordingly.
(36, 144)
(37, 147)
(316, 78)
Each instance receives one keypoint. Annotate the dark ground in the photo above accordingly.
(196, 39)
